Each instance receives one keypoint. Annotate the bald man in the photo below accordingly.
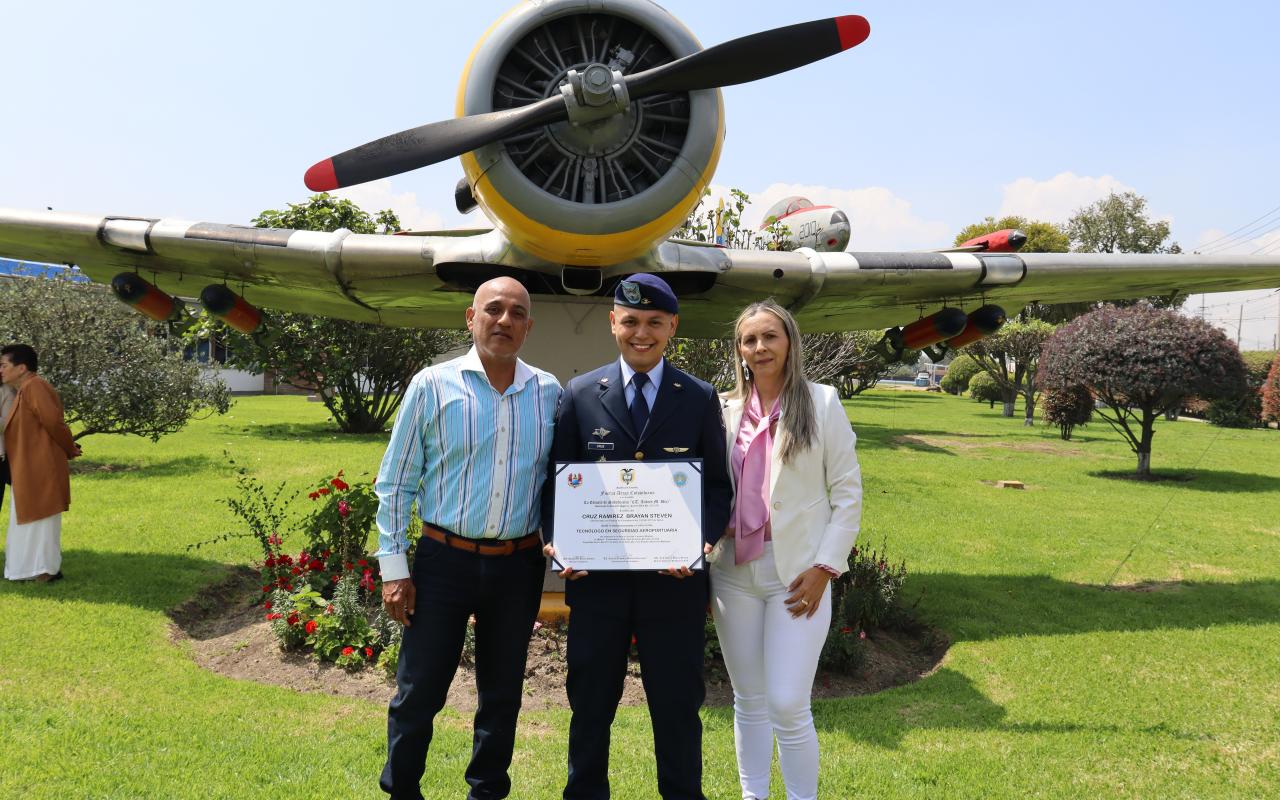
(469, 450)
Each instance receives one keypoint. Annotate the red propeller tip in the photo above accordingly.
(320, 178)
(853, 29)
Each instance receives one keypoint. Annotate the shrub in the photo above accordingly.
(1271, 393)
(1068, 408)
(959, 372)
(864, 597)
(1243, 409)
(983, 388)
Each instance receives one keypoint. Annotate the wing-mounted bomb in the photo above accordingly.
(589, 131)
(939, 333)
(132, 290)
(232, 309)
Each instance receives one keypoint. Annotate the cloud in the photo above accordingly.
(377, 195)
(880, 220)
(1056, 199)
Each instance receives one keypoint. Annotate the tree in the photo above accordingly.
(1011, 356)
(1118, 223)
(708, 359)
(1271, 393)
(1042, 237)
(849, 361)
(1140, 361)
(359, 370)
(1068, 408)
(116, 371)
(959, 372)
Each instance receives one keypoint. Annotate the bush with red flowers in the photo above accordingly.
(327, 596)
(866, 597)
(341, 520)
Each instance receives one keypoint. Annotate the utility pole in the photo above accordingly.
(1239, 326)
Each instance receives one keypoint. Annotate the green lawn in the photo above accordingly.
(1054, 687)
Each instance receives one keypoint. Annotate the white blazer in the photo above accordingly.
(815, 502)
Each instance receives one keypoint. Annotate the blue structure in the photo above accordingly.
(32, 269)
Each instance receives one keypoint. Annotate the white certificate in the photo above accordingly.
(628, 515)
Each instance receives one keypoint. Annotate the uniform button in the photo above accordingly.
(777, 505)
(639, 455)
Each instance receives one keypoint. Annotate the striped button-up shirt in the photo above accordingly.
(471, 458)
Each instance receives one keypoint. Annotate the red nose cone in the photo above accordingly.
(320, 177)
(853, 29)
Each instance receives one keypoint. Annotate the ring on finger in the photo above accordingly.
(804, 601)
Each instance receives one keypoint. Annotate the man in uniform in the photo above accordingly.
(644, 409)
(469, 448)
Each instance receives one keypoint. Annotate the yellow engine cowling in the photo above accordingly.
(602, 192)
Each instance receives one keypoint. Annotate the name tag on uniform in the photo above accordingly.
(599, 445)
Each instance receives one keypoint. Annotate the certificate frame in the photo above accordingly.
(672, 491)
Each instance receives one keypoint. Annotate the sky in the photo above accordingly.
(949, 112)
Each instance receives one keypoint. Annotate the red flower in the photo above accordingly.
(324, 554)
(362, 563)
(340, 484)
(270, 562)
(368, 652)
(266, 587)
(323, 490)
(334, 578)
(346, 651)
(293, 618)
(288, 587)
(846, 629)
(295, 571)
(267, 605)
(311, 626)
(348, 566)
(344, 508)
(316, 565)
(313, 495)
(328, 609)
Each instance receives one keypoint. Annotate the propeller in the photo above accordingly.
(742, 60)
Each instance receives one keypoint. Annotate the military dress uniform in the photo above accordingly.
(666, 615)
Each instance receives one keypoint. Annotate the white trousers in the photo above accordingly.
(34, 548)
(772, 659)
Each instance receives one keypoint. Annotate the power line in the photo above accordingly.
(1242, 227)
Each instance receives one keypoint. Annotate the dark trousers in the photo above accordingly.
(503, 592)
(671, 658)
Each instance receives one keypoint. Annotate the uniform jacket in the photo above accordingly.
(815, 502)
(38, 444)
(593, 423)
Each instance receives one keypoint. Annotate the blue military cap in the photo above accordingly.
(646, 292)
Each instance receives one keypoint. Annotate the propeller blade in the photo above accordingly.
(741, 60)
(753, 57)
(429, 144)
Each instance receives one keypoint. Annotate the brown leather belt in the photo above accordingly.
(483, 547)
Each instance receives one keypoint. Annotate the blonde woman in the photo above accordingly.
(797, 507)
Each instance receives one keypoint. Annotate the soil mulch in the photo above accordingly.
(225, 628)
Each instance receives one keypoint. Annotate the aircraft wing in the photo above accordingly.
(425, 281)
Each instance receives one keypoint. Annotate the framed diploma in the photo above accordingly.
(628, 515)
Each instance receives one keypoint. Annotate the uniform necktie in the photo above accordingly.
(639, 406)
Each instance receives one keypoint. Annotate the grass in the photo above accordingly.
(1054, 687)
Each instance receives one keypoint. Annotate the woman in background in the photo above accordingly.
(797, 508)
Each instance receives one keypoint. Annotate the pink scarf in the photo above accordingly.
(752, 457)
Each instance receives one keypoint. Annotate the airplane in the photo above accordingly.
(587, 132)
